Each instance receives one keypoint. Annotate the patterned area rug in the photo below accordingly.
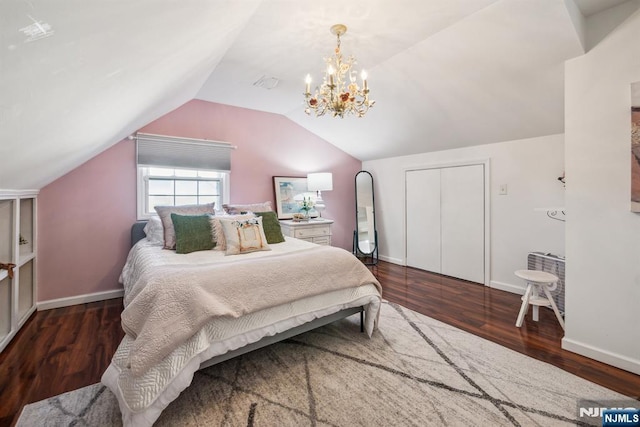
(415, 371)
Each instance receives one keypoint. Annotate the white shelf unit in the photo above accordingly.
(18, 240)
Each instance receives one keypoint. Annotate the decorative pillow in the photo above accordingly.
(164, 212)
(154, 231)
(193, 233)
(244, 236)
(251, 207)
(271, 227)
(218, 233)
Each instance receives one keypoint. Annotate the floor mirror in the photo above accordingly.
(365, 236)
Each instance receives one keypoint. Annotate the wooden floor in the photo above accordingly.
(64, 349)
(491, 314)
(58, 351)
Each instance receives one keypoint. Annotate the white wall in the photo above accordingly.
(530, 169)
(603, 236)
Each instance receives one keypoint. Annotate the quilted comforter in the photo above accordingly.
(182, 310)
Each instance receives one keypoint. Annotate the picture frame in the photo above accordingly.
(289, 193)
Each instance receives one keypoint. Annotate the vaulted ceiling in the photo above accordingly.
(444, 73)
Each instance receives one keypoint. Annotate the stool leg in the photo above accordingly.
(536, 309)
(553, 306)
(525, 305)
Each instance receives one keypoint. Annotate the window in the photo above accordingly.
(172, 187)
(175, 171)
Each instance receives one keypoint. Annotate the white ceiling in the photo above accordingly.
(591, 7)
(444, 73)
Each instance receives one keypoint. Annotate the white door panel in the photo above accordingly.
(462, 222)
(423, 219)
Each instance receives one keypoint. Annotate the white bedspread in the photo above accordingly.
(143, 397)
(146, 256)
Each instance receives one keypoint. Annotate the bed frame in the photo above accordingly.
(137, 234)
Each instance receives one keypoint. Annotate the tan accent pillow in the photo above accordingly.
(250, 207)
(164, 212)
(218, 233)
(244, 236)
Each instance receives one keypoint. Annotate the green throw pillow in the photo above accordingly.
(271, 227)
(193, 233)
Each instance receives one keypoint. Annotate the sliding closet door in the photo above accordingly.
(423, 219)
(445, 214)
(462, 222)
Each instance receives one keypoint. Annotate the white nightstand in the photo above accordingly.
(315, 230)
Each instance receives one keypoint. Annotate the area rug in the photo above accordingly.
(414, 371)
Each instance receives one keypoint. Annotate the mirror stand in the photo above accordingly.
(366, 258)
(365, 236)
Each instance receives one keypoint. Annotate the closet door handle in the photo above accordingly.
(9, 267)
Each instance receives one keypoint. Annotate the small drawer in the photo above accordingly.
(323, 231)
(301, 233)
(322, 240)
(311, 232)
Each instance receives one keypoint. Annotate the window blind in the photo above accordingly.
(189, 153)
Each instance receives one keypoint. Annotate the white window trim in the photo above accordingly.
(142, 193)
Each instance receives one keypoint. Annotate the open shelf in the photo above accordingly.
(25, 290)
(25, 239)
(6, 230)
(17, 247)
(5, 308)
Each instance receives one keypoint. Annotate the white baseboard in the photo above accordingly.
(604, 356)
(391, 260)
(79, 299)
(508, 287)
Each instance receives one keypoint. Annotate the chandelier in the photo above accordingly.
(339, 93)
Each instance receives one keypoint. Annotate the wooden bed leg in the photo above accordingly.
(362, 321)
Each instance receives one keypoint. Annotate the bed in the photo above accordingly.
(161, 351)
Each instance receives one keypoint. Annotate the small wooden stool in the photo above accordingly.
(538, 281)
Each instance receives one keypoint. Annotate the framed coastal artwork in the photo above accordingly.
(290, 192)
(635, 147)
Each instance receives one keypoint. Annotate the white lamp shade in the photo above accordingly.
(322, 181)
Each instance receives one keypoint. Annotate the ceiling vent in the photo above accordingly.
(266, 82)
(36, 31)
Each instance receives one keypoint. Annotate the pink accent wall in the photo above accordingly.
(83, 225)
(84, 217)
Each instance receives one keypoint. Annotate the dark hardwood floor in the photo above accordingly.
(491, 314)
(64, 349)
(57, 351)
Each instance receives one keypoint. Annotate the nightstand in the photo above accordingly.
(315, 230)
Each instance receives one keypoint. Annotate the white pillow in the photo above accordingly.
(218, 233)
(244, 236)
(154, 231)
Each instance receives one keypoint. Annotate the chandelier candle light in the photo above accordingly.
(336, 95)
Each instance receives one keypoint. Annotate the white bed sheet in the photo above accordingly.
(143, 398)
